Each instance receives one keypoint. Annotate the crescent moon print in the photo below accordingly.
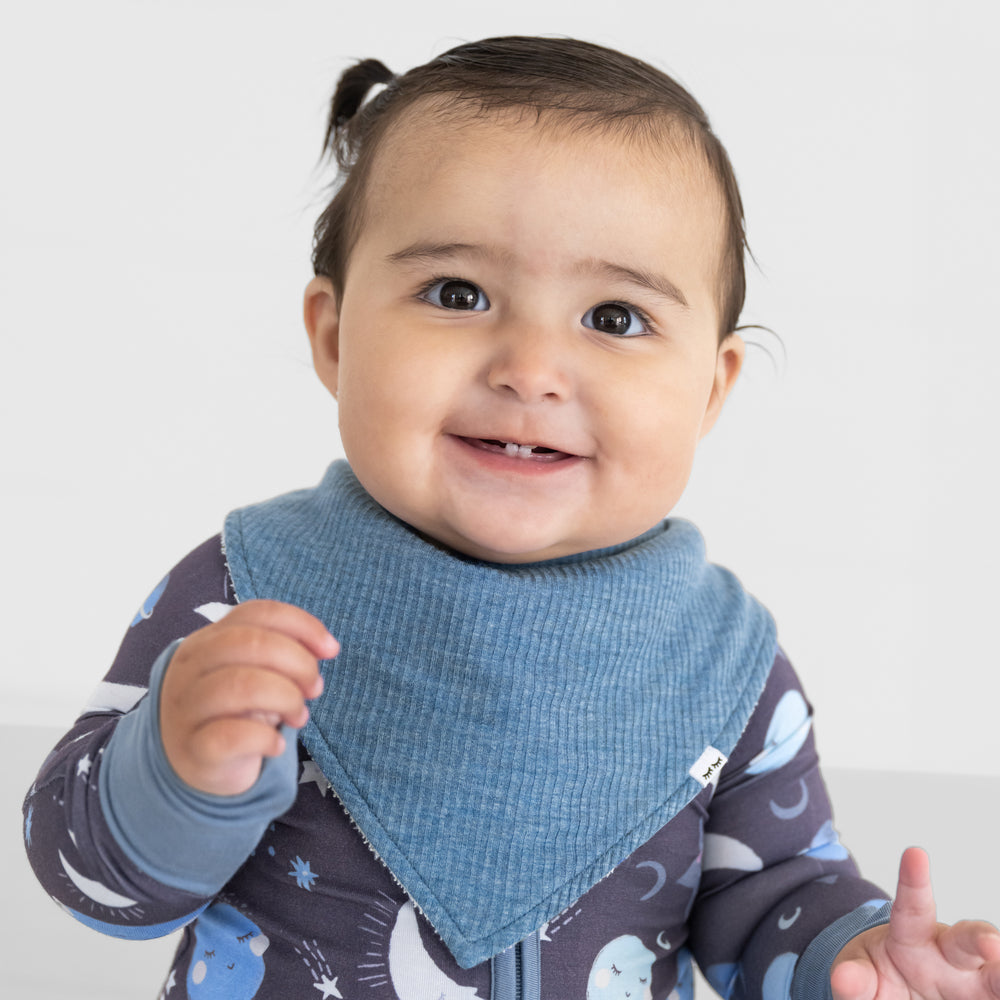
(414, 974)
(791, 812)
(397, 963)
(94, 890)
(661, 878)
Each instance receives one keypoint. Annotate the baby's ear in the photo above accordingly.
(321, 312)
(728, 362)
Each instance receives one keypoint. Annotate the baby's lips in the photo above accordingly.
(514, 449)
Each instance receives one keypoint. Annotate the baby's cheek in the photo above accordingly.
(199, 972)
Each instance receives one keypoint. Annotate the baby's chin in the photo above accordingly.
(499, 547)
(510, 547)
(475, 527)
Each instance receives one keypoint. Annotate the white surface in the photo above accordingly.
(46, 955)
(155, 215)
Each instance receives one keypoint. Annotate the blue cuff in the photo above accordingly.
(812, 972)
(182, 837)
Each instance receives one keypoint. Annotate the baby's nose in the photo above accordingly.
(532, 364)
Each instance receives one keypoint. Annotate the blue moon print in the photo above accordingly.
(228, 959)
(722, 977)
(778, 978)
(826, 845)
(661, 878)
(684, 989)
(132, 932)
(623, 969)
(792, 812)
(786, 733)
(146, 610)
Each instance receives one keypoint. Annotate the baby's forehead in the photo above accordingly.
(440, 134)
(423, 129)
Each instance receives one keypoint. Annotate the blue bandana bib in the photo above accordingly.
(504, 735)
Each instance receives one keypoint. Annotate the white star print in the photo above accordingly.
(214, 611)
(171, 982)
(329, 988)
(311, 772)
(83, 766)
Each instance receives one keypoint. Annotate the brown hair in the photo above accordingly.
(574, 80)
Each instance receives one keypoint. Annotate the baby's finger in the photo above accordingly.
(232, 738)
(224, 758)
(266, 649)
(992, 975)
(248, 691)
(913, 921)
(270, 718)
(289, 620)
(970, 944)
(854, 980)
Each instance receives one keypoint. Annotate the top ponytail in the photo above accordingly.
(342, 131)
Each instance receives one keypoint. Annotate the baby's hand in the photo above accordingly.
(231, 684)
(915, 958)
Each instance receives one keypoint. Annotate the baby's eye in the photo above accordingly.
(244, 937)
(454, 293)
(210, 954)
(615, 970)
(616, 319)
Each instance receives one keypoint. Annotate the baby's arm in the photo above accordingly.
(776, 878)
(782, 910)
(112, 832)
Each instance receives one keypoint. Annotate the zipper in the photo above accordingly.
(516, 972)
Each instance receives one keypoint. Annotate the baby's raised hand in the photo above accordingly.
(913, 957)
(231, 684)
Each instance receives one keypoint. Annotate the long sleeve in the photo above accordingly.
(780, 894)
(112, 834)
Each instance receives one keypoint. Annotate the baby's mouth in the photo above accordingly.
(514, 449)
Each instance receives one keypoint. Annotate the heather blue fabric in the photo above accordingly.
(503, 736)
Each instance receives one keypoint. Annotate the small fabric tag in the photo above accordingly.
(706, 768)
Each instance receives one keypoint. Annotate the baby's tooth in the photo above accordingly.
(518, 450)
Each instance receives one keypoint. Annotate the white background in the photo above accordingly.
(159, 186)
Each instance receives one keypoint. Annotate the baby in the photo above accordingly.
(552, 752)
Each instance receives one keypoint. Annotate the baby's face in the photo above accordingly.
(526, 354)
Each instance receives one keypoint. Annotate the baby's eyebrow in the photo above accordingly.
(430, 252)
(659, 284)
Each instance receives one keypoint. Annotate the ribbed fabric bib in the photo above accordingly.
(504, 735)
